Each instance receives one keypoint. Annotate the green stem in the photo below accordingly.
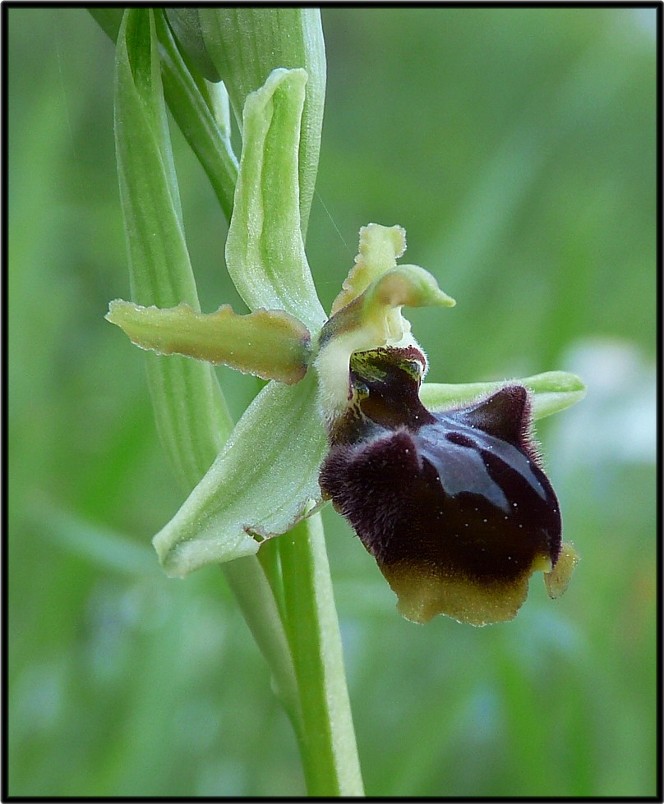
(268, 557)
(327, 736)
(254, 595)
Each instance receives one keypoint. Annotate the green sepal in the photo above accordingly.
(268, 343)
(550, 392)
(264, 250)
(264, 481)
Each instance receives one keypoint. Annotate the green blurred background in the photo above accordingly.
(517, 147)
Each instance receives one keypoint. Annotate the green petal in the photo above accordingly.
(264, 481)
(405, 285)
(373, 318)
(380, 247)
(264, 250)
(368, 309)
(551, 392)
(270, 344)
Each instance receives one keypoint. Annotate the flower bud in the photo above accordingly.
(242, 46)
(454, 506)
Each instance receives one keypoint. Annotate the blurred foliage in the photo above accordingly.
(517, 147)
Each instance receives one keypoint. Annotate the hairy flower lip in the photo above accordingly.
(480, 487)
(454, 506)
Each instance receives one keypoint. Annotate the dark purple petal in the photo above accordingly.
(454, 506)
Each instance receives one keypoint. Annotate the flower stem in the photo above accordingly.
(326, 735)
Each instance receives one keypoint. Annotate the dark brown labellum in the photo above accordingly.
(454, 506)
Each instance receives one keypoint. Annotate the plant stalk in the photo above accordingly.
(327, 737)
